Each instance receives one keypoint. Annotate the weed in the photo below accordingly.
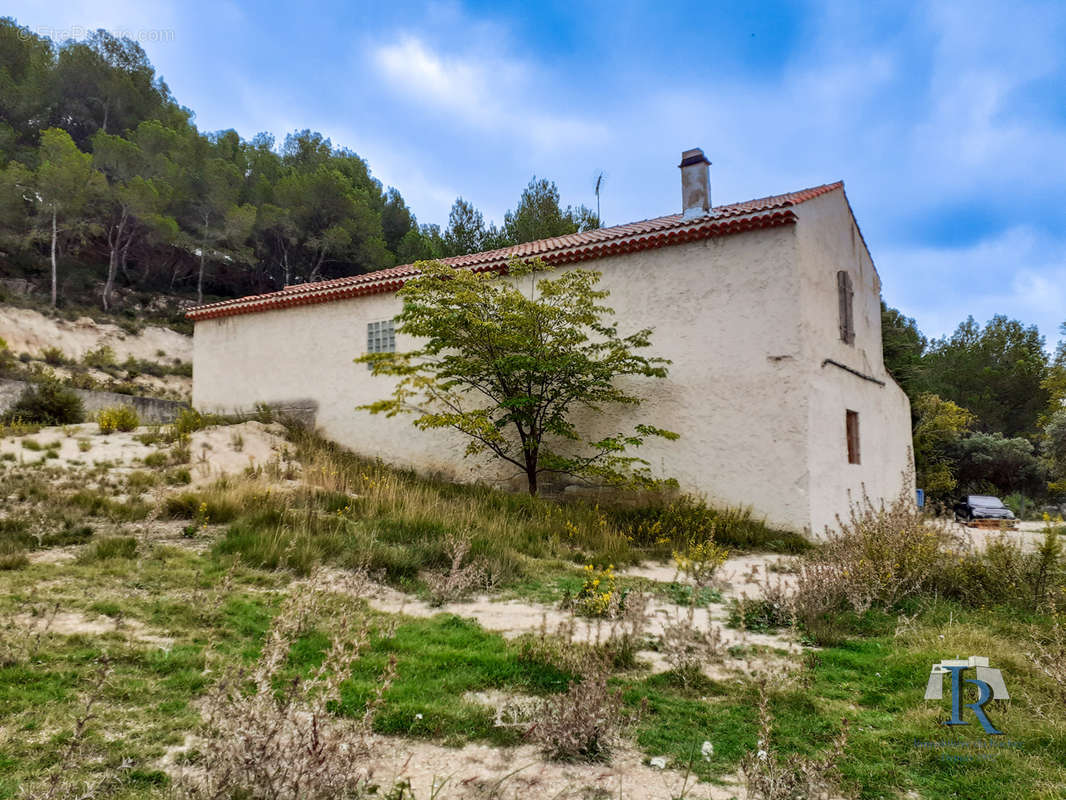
(117, 418)
(268, 735)
(584, 722)
(770, 776)
(110, 548)
(460, 579)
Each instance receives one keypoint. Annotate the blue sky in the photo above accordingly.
(946, 120)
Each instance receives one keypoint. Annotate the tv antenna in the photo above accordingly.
(599, 182)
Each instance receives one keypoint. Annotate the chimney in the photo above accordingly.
(695, 184)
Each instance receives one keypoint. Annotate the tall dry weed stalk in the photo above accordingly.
(584, 722)
(460, 579)
(768, 775)
(272, 737)
(61, 783)
(1048, 651)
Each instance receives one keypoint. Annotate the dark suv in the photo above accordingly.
(981, 506)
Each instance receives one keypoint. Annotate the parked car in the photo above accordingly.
(981, 506)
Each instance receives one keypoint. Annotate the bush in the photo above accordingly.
(111, 548)
(188, 421)
(583, 723)
(102, 358)
(267, 734)
(117, 418)
(47, 403)
(7, 358)
(1004, 574)
(53, 356)
(686, 520)
(879, 557)
(598, 595)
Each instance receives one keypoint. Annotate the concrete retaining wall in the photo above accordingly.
(150, 410)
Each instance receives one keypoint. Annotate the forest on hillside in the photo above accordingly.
(106, 183)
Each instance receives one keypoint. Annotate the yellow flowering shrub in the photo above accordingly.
(598, 592)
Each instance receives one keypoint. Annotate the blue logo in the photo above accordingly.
(989, 683)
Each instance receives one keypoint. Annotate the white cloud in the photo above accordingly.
(488, 93)
(1020, 272)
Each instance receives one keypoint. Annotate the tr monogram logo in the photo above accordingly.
(989, 683)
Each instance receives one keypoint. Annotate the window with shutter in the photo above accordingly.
(851, 423)
(845, 295)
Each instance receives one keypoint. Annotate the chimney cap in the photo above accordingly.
(693, 156)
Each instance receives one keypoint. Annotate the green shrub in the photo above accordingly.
(687, 519)
(103, 358)
(1002, 573)
(47, 403)
(111, 548)
(177, 477)
(117, 418)
(188, 421)
(53, 356)
(7, 358)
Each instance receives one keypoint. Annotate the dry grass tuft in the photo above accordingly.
(269, 736)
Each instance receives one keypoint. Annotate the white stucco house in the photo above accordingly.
(768, 309)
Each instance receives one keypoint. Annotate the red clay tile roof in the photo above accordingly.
(673, 229)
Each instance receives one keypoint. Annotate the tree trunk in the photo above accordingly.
(317, 268)
(112, 262)
(124, 258)
(203, 252)
(531, 472)
(55, 271)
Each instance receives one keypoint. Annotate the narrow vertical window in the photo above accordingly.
(845, 295)
(851, 422)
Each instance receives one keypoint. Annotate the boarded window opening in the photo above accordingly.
(851, 421)
(845, 295)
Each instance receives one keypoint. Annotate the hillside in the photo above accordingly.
(149, 360)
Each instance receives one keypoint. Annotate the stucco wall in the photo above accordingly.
(724, 311)
(748, 321)
(827, 241)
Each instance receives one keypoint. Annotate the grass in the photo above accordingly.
(176, 617)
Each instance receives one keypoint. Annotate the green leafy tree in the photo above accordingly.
(1055, 382)
(997, 372)
(65, 184)
(939, 426)
(16, 200)
(539, 215)
(903, 346)
(993, 463)
(134, 204)
(512, 362)
(1054, 449)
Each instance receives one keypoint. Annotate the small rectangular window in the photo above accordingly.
(845, 297)
(381, 337)
(851, 422)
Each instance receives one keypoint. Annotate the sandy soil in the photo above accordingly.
(215, 451)
(28, 331)
(480, 771)
(72, 623)
(230, 449)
